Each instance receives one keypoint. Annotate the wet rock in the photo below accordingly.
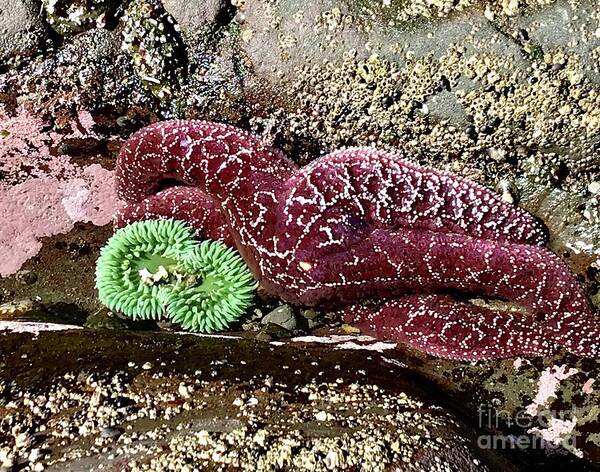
(69, 17)
(152, 39)
(17, 309)
(263, 336)
(309, 314)
(21, 28)
(445, 106)
(273, 331)
(282, 316)
(27, 277)
(565, 26)
(251, 326)
(573, 235)
(166, 325)
(195, 14)
(232, 410)
(110, 432)
(104, 319)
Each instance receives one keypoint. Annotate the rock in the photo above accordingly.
(263, 336)
(110, 432)
(367, 404)
(566, 25)
(104, 319)
(282, 316)
(251, 326)
(274, 331)
(152, 39)
(166, 325)
(75, 16)
(17, 309)
(27, 277)
(309, 314)
(21, 28)
(194, 14)
(445, 106)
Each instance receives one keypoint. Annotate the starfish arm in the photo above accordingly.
(578, 334)
(349, 193)
(415, 260)
(219, 159)
(232, 167)
(181, 203)
(444, 327)
(388, 263)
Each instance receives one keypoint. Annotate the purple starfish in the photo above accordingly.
(364, 224)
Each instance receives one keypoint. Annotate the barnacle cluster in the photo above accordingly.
(69, 17)
(151, 37)
(398, 11)
(155, 267)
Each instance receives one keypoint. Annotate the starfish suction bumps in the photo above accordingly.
(361, 224)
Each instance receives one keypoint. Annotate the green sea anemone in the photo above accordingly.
(156, 267)
(137, 264)
(220, 294)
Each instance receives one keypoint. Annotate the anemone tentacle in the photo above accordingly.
(155, 268)
(140, 246)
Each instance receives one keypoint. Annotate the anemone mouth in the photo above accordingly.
(223, 290)
(142, 246)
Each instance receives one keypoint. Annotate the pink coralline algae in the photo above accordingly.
(361, 224)
(42, 194)
(46, 206)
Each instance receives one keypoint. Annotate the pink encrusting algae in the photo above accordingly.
(42, 194)
(362, 224)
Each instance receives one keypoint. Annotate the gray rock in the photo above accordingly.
(282, 316)
(195, 14)
(445, 106)
(21, 28)
(290, 33)
(108, 432)
(262, 336)
(571, 26)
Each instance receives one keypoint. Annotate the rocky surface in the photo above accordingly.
(503, 92)
(22, 31)
(170, 400)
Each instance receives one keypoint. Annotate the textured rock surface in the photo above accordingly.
(282, 316)
(21, 28)
(195, 14)
(330, 404)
